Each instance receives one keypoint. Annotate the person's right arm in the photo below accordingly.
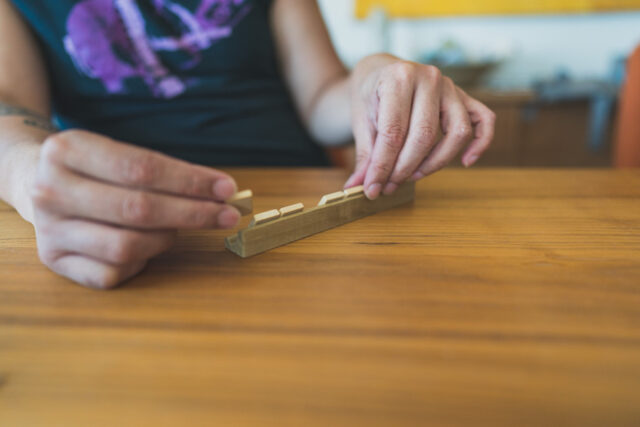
(100, 208)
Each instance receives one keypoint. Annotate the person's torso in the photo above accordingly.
(197, 79)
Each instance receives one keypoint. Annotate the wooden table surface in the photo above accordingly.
(500, 297)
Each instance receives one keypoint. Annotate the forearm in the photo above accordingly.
(329, 118)
(22, 133)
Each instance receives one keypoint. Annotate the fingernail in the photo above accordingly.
(389, 188)
(471, 160)
(224, 188)
(373, 191)
(416, 176)
(228, 218)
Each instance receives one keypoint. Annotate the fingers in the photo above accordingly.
(484, 121)
(96, 255)
(423, 130)
(107, 160)
(69, 195)
(395, 93)
(414, 103)
(457, 129)
(92, 273)
(117, 246)
(84, 182)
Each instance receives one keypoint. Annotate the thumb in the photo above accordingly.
(357, 178)
(364, 134)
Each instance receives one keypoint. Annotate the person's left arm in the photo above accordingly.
(394, 108)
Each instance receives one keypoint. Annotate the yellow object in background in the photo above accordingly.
(424, 8)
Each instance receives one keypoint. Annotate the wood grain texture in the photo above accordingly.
(272, 229)
(500, 297)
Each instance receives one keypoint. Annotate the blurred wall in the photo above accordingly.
(539, 46)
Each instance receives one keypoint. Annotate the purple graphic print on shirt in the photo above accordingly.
(108, 40)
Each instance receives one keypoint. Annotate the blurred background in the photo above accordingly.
(554, 71)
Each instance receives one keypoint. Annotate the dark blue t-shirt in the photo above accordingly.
(196, 79)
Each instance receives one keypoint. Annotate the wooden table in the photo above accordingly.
(500, 297)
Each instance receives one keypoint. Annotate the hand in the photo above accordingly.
(399, 108)
(102, 209)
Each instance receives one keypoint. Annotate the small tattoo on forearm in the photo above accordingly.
(31, 118)
(40, 124)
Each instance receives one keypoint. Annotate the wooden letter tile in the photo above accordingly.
(354, 191)
(243, 201)
(331, 198)
(290, 210)
(264, 217)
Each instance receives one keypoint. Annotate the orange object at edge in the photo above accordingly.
(627, 146)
